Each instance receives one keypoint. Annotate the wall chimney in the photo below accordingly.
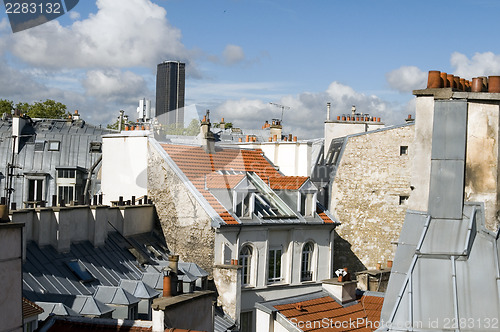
(18, 124)
(76, 116)
(173, 263)
(344, 291)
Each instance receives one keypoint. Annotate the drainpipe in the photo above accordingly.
(89, 175)
(238, 244)
(330, 236)
(454, 285)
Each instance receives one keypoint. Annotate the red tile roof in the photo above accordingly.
(200, 167)
(219, 181)
(287, 182)
(30, 309)
(325, 314)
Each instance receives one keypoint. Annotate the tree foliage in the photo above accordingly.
(49, 109)
(6, 106)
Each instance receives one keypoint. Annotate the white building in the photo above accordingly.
(260, 235)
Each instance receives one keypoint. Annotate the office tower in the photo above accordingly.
(170, 79)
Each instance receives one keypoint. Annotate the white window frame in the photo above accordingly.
(275, 276)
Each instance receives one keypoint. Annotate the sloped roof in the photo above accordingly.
(224, 169)
(30, 309)
(114, 295)
(325, 314)
(88, 306)
(58, 309)
(195, 163)
(287, 182)
(139, 289)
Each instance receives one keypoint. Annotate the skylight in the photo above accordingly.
(80, 271)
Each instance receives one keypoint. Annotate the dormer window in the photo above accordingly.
(307, 204)
(243, 204)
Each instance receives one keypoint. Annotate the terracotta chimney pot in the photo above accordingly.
(494, 84)
(434, 80)
(444, 78)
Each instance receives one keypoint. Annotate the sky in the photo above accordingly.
(242, 55)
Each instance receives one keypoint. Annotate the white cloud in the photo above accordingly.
(406, 79)
(233, 54)
(74, 15)
(481, 64)
(124, 34)
(307, 112)
(114, 85)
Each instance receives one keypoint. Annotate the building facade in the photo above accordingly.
(259, 234)
(170, 91)
(52, 160)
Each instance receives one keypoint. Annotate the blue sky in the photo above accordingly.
(241, 55)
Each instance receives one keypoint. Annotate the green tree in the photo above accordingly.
(6, 106)
(193, 128)
(23, 107)
(49, 109)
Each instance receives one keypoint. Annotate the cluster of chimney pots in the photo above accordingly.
(437, 80)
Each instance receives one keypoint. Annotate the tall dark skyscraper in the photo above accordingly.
(170, 81)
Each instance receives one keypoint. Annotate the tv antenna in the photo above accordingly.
(283, 108)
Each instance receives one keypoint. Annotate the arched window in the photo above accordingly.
(306, 268)
(245, 261)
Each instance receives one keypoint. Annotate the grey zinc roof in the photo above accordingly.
(114, 295)
(139, 289)
(88, 306)
(443, 271)
(58, 309)
(46, 276)
(222, 322)
(193, 268)
(74, 137)
(153, 280)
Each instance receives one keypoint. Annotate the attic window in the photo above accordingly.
(39, 145)
(54, 145)
(403, 150)
(80, 271)
(95, 147)
(403, 200)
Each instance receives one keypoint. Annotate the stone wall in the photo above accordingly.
(368, 197)
(186, 225)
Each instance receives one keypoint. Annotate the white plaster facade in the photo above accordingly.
(219, 245)
(11, 312)
(124, 165)
(292, 158)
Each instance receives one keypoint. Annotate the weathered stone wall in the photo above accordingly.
(365, 197)
(481, 169)
(186, 225)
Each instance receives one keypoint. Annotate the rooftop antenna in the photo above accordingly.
(283, 108)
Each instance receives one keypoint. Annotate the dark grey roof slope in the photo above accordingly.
(114, 295)
(139, 289)
(47, 277)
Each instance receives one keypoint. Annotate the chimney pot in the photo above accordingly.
(434, 80)
(167, 288)
(389, 263)
(379, 266)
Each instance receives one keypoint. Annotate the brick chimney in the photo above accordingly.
(207, 137)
